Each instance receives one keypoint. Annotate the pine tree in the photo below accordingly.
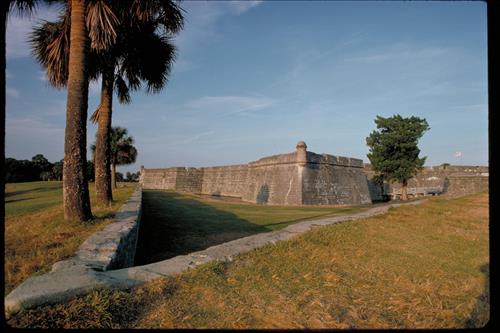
(394, 149)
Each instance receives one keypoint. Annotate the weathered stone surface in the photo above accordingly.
(451, 180)
(114, 246)
(296, 178)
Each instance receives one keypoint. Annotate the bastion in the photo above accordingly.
(298, 178)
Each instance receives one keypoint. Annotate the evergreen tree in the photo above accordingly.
(394, 149)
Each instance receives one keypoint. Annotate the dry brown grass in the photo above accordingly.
(37, 237)
(416, 267)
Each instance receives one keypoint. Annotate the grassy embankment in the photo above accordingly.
(36, 235)
(421, 266)
(174, 223)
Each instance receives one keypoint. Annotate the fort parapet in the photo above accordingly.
(307, 178)
(450, 180)
(297, 178)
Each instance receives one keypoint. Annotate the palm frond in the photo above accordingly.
(94, 118)
(50, 44)
(102, 24)
(166, 14)
(170, 16)
(22, 7)
(122, 90)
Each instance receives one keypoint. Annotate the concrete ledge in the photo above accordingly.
(112, 247)
(74, 279)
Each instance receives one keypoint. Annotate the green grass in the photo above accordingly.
(423, 266)
(21, 198)
(36, 234)
(174, 223)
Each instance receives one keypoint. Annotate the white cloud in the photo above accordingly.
(305, 59)
(239, 7)
(198, 136)
(395, 53)
(42, 76)
(201, 26)
(229, 105)
(12, 92)
(471, 106)
(19, 28)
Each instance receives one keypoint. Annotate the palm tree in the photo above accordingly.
(83, 22)
(75, 187)
(142, 52)
(122, 150)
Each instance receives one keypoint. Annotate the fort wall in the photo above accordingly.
(450, 180)
(229, 181)
(296, 178)
(275, 180)
(307, 178)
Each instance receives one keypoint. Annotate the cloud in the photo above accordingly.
(42, 76)
(197, 137)
(12, 92)
(19, 28)
(201, 26)
(229, 105)
(395, 53)
(239, 7)
(471, 106)
(313, 58)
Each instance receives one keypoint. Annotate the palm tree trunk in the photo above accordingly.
(75, 186)
(5, 8)
(103, 144)
(113, 176)
(404, 191)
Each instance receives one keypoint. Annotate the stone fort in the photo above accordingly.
(307, 178)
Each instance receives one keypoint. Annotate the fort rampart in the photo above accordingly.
(307, 178)
(296, 178)
(450, 180)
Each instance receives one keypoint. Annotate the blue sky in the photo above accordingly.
(253, 78)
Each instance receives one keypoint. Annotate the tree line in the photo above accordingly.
(128, 45)
(39, 168)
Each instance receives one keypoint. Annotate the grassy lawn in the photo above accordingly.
(421, 266)
(36, 235)
(175, 223)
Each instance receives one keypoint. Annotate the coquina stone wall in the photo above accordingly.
(229, 181)
(451, 180)
(114, 246)
(307, 178)
(274, 180)
(334, 180)
(296, 178)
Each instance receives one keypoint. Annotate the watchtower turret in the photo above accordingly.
(301, 153)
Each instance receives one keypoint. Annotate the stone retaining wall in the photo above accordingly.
(113, 247)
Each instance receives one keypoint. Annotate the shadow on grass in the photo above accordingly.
(480, 315)
(172, 225)
(17, 200)
(47, 188)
